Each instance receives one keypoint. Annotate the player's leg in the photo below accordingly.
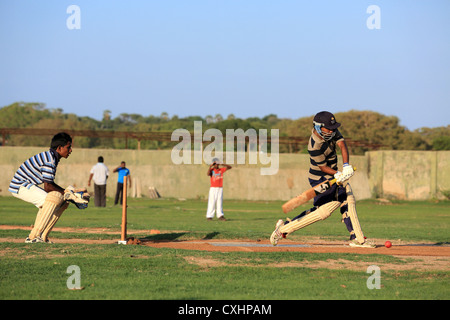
(351, 204)
(103, 195)
(97, 195)
(304, 213)
(360, 239)
(321, 199)
(320, 213)
(53, 219)
(339, 193)
(118, 193)
(35, 196)
(303, 220)
(52, 204)
(347, 221)
(342, 197)
(32, 234)
(219, 204)
(211, 203)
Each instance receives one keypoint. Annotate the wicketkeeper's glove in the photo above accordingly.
(79, 197)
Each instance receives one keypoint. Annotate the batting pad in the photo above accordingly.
(321, 213)
(36, 222)
(353, 215)
(53, 219)
(52, 203)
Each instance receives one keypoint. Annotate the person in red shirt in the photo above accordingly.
(215, 199)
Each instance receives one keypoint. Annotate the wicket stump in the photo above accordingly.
(123, 236)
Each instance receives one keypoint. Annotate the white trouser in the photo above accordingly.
(215, 202)
(34, 195)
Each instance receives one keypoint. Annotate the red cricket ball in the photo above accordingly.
(388, 244)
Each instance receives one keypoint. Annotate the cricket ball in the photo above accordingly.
(388, 244)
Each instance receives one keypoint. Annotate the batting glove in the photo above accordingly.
(339, 177)
(347, 171)
(79, 197)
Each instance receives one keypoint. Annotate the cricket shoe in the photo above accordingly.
(276, 234)
(35, 240)
(355, 244)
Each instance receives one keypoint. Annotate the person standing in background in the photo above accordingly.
(99, 173)
(215, 198)
(122, 171)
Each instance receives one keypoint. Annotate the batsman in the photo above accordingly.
(50, 199)
(322, 144)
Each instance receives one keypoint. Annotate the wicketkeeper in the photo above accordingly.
(51, 200)
(323, 166)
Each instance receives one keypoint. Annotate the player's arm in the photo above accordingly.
(344, 150)
(226, 166)
(90, 178)
(328, 170)
(347, 169)
(210, 169)
(52, 186)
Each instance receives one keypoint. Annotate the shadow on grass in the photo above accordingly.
(164, 237)
(179, 236)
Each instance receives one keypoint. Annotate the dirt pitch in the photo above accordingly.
(418, 256)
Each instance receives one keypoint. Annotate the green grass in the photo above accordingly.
(39, 271)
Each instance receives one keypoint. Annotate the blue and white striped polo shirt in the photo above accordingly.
(36, 170)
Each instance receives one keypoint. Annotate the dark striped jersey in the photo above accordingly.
(322, 153)
(38, 169)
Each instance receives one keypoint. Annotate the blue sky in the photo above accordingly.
(249, 58)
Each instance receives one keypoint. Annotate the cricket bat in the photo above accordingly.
(308, 195)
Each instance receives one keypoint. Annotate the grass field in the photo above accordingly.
(112, 271)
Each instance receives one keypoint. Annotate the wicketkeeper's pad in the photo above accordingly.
(53, 203)
(79, 197)
(53, 219)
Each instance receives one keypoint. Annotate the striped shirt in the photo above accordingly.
(36, 170)
(322, 153)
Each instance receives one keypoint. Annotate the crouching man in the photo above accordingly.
(50, 199)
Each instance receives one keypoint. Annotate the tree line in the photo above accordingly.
(368, 126)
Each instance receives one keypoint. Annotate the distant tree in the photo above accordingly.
(271, 118)
(441, 143)
(209, 119)
(218, 117)
(368, 126)
(106, 115)
(164, 116)
(22, 115)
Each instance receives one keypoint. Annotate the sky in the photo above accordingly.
(249, 58)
